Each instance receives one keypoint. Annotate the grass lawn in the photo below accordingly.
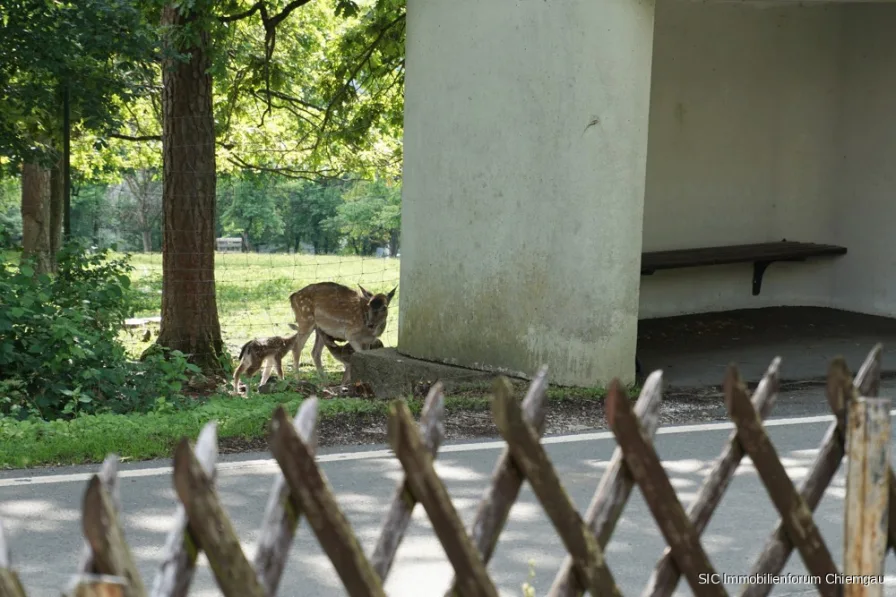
(152, 435)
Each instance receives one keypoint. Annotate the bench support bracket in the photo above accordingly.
(759, 268)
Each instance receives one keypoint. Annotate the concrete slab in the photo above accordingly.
(391, 374)
(694, 350)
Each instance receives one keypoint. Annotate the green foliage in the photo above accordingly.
(306, 208)
(363, 89)
(275, 213)
(88, 438)
(101, 48)
(59, 353)
(369, 216)
(154, 434)
(320, 89)
(249, 208)
(10, 213)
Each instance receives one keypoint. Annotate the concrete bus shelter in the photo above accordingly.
(548, 145)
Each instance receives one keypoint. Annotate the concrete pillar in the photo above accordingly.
(525, 149)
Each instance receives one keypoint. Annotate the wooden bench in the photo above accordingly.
(233, 244)
(761, 255)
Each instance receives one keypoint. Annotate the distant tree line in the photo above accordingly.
(269, 212)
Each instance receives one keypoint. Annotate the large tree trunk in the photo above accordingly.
(147, 241)
(189, 306)
(36, 216)
(57, 211)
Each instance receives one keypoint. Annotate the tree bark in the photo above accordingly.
(246, 242)
(393, 243)
(36, 216)
(147, 241)
(57, 210)
(189, 306)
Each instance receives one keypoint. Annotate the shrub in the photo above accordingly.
(59, 352)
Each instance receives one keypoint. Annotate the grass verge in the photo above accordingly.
(134, 437)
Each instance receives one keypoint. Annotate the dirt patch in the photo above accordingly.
(568, 412)
(565, 416)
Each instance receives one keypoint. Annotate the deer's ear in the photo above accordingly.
(367, 294)
(391, 295)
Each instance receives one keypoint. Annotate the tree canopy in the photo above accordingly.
(316, 94)
(102, 49)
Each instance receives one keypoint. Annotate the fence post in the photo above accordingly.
(867, 495)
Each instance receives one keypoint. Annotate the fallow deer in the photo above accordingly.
(341, 352)
(340, 312)
(264, 351)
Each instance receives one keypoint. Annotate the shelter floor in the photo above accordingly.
(694, 350)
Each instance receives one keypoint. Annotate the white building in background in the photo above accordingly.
(549, 144)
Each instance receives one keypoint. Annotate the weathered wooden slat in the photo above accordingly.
(867, 491)
(96, 585)
(102, 529)
(531, 458)
(506, 479)
(281, 519)
(10, 585)
(666, 575)
(311, 494)
(211, 528)
(614, 489)
(109, 477)
(647, 470)
(891, 516)
(181, 550)
(868, 384)
(427, 488)
(868, 378)
(5, 550)
(840, 389)
(795, 513)
(402, 506)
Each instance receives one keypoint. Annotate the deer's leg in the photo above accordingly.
(266, 373)
(245, 369)
(236, 375)
(251, 370)
(303, 311)
(297, 349)
(346, 375)
(316, 353)
(279, 365)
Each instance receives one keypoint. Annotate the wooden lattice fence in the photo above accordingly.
(107, 566)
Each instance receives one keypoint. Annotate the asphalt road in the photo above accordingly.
(41, 514)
